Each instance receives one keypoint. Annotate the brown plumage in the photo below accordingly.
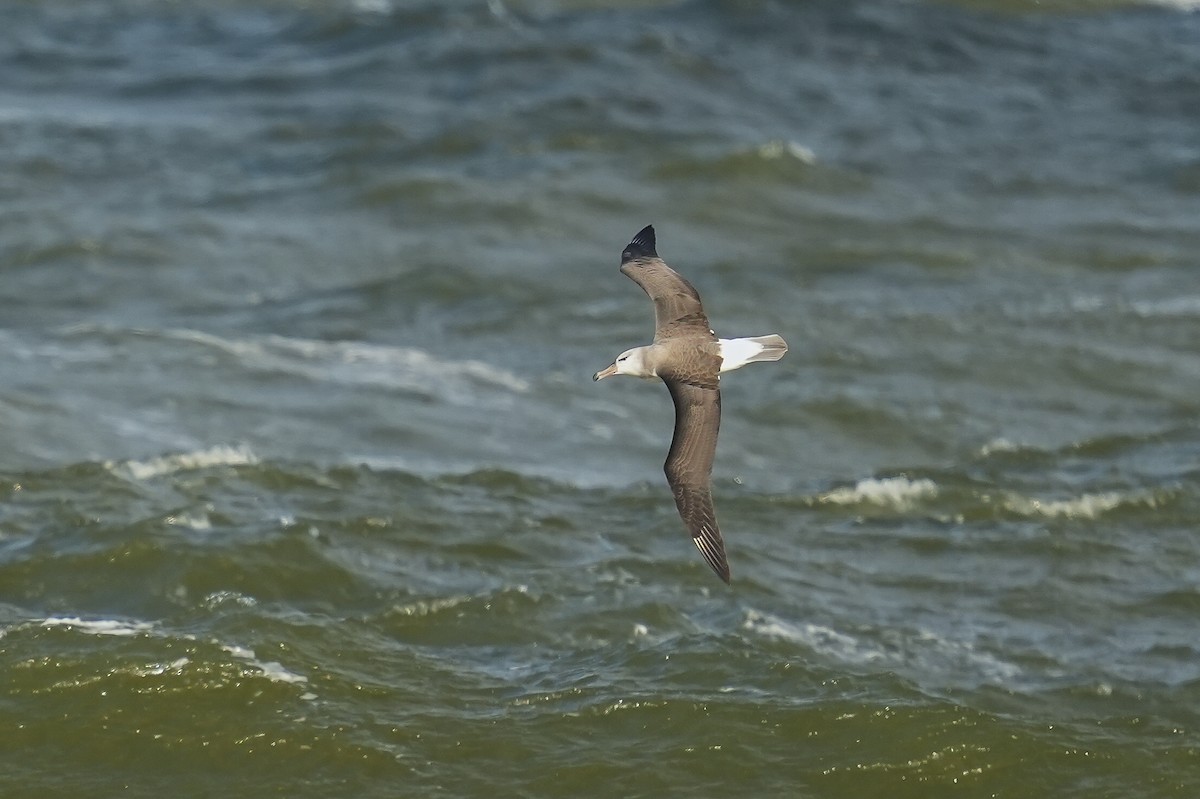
(689, 468)
(689, 358)
(677, 309)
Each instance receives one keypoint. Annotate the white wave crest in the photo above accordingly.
(359, 363)
(272, 670)
(1182, 5)
(1085, 506)
(820, 639)
(1185, 305)
(921, 651)
(269, 669)
(998, 445)
(900, 493)
(220, 455)
(99, 626)
(372, 7)
(778, 148)
(192, 521)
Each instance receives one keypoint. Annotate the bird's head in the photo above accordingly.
(630, 362)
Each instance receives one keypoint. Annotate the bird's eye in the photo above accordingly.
(623, 357)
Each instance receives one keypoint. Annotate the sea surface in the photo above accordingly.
(306, 490)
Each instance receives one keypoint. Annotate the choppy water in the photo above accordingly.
(305, 488)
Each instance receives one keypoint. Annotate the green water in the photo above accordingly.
(306, 490)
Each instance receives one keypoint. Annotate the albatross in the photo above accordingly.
(690, 359)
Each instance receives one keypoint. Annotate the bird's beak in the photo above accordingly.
(603, 373)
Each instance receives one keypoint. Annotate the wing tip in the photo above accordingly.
(642, 246)
(720, 567)
(713, 550)
(724, 575)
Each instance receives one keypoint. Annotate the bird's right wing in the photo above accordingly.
(689, 468)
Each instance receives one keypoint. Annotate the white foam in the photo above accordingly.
(1187, 305)
(921, 650)
(99, 626)
(199, 521)
(275, 672)
(159, 669)
(404, 358)
(1182, 5)
(272, 670)
(359, 363)
(1085, 506)
(778, 148)
(820, 639)
(380, 7)
(218, 598)
(220, 455)
(998, 445)
(900, 493)
(424, 607)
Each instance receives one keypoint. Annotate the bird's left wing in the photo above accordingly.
(677, 308)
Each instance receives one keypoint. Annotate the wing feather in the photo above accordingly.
(677, 307)
(689, 468)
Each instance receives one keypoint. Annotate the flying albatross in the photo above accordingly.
(689, 358)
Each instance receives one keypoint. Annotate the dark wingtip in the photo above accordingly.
(709, 542)
(642, 246)
(723, 572)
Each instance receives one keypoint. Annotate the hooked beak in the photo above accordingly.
(607, 372)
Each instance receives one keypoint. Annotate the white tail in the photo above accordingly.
(737, 352)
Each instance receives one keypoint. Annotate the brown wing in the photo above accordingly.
(689, 467)
(677, 308)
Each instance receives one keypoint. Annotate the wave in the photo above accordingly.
(904, 495)
(899, 493)
(775, 160)
(215, 456)
(1182, 306)
(1187, 305)
(922, 650)
(115, 627)
(270, 669)
(1181, 5)
(355, 362)
(124, 628)
(1084, 506)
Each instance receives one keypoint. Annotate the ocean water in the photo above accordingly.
(306, 490)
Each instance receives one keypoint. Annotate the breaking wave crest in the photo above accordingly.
(219, 455)
(355, 362)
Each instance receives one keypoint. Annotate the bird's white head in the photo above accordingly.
(630, 362)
